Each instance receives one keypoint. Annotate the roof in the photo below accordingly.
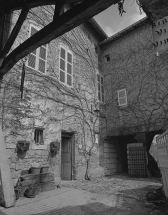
(97, 27)
(125, 31)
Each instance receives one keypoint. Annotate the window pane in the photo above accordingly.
(41, 66)
(99, 97)
(69, 80)
(62, 53)
(42, 53)
(69, 68)
(98, 86)
(98, 77)
(102, 97)
(102, 89)
(122, 93)
(32, 61)
(62, 76)
(122, 101)
(33, 31)
(62, 64)
(69, 58)
(102, 80)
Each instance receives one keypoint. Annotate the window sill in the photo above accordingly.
(40, 147)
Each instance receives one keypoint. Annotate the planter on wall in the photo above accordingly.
(54, 146)
(22, 146)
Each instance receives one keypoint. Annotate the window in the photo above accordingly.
(100, 87)
(66, 67)
(38, 136)
(107, 57)
(122, 97)
(38, 58)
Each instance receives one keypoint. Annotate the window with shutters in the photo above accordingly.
(66, 67)
(38, 58)
(122, 97)
(100, 88)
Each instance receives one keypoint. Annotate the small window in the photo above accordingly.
(38, 58)
(100, 87)
(38, 136)
(107, 57)
(66, 67)
(122, 97)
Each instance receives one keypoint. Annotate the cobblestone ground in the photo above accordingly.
(117, 195)
(119, 184)
(131, 193)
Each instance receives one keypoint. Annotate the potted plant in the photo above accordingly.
(35, 168)
(54, 146)
(22, 146)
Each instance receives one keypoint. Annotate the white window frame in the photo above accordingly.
(37, 53)
(66, 62)
(121, 104)
(101, 93)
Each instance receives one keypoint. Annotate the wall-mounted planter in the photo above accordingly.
(54, 146)
(22, 146)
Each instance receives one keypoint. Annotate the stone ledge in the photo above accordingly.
(38, 147)
(10, 145)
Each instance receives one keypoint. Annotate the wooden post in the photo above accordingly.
(5, 174)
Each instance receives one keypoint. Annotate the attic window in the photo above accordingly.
(107, 57)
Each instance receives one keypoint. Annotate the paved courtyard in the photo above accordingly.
(117, 195)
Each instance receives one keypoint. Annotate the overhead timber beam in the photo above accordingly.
(11, 5)
(64, 23)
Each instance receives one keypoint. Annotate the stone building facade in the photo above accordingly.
(63, 85)
(136, 92)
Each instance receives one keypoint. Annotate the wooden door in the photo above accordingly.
(66, 159)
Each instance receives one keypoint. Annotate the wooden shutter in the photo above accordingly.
(69, 69)
(42, 59)
(102, 89)
(62, 64)
(32, 56)
(98, 87)
(122, 97)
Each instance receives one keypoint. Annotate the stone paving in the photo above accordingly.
(118, 184)
(117, 195)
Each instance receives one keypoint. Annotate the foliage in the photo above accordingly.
(54, 146)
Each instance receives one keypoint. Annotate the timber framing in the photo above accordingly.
(81, 11)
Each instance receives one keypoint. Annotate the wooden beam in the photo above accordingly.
(12, 5)
(14, 33)
(5, 174)
(59, 9)
(65, 22)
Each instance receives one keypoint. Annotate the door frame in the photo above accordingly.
(71, 135)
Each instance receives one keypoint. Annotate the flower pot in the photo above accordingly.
(35, 170)
(44, 169)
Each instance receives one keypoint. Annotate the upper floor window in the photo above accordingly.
(107, 57)
(100, 87)
(38, 58)
(66, 67)
(122, 97)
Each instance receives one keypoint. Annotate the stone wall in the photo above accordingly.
(34, 157)
(134, 66)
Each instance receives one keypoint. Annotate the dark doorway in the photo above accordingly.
(67, 156)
